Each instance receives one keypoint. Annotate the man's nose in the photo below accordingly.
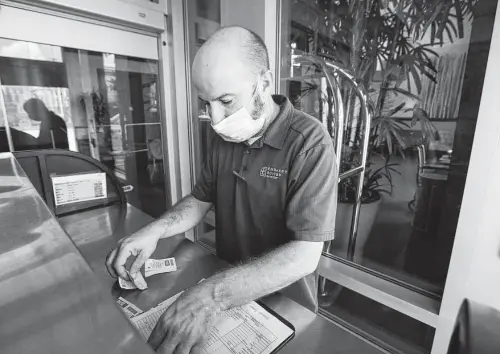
(216, 112)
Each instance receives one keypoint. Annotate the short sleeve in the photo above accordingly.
(204, 189)
(312, 196)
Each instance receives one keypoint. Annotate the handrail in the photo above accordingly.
(333, 72)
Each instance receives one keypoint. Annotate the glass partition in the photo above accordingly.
(103, 105)
(203, 19)
(420, 64)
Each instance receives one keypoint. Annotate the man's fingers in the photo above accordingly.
(201, 343)
(183, 348)
(198, 348)
(167, 347)
(139, 261)
(119, 263)
(109, 263)
(158, 334)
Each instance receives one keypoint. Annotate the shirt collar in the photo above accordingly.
(276, 133)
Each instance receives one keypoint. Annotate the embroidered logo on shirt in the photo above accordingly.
(272, 173)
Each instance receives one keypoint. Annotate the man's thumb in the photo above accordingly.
(139, 261)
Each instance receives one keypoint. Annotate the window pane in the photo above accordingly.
(394, 330)
(202, 21)
(99, 104)
(424, 89)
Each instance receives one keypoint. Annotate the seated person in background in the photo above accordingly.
(272, 175)
(53, 131)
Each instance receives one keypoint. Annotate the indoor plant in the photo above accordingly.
(387, 46)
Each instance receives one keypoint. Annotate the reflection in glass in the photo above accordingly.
(412, 61)
(99, 104)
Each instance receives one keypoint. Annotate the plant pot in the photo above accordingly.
(343, 222)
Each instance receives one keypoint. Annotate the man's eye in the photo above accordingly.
(226, 102)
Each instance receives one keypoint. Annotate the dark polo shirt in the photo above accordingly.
(281, 188)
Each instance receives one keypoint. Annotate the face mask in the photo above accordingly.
(239, 126)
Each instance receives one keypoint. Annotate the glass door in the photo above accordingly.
(97, 93)
(423, 66)
(202, 19)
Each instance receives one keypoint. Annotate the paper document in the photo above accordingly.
(249, 329)
(157, 266)
(126, 284)
(146, 322)
(129, 308)
(79, 188)
(136, 282)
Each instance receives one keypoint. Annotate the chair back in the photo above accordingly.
(422, 158)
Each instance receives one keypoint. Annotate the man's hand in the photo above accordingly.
(141, 245)
(185, 326)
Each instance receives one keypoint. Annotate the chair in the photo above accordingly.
(422, 166)
(41, 165)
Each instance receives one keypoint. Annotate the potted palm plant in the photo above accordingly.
(387, 45)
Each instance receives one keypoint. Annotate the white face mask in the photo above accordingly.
(239, 126)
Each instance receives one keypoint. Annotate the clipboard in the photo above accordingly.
(282, 320)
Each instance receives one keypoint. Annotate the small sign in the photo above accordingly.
(79, 188)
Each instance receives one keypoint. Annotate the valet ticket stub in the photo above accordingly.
(157, 266)
(152, 267)
(137, 282)
(125, 284)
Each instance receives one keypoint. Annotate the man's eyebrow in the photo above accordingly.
(226, 94)
(218, 98)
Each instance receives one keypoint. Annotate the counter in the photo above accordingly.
(50, 300)
(313, 334)
(57, 297)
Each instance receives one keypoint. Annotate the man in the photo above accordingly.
(272, 176)
(53, 131)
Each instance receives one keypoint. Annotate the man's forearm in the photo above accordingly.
(183, 216)
(262, 276)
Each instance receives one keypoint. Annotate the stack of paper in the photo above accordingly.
(249, 329)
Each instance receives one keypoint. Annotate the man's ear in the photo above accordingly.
(268, 82)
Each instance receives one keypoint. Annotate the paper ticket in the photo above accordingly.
(157, 266)
(129, 308)
(138, 280)
(126, 284)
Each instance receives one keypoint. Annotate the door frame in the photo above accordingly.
(16, 20)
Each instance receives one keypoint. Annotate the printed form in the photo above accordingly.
(249, 329)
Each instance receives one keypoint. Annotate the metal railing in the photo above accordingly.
(336, 76)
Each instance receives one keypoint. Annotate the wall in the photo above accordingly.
(257, 15)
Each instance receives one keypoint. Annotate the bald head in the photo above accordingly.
(229, 68)
(239, 43)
